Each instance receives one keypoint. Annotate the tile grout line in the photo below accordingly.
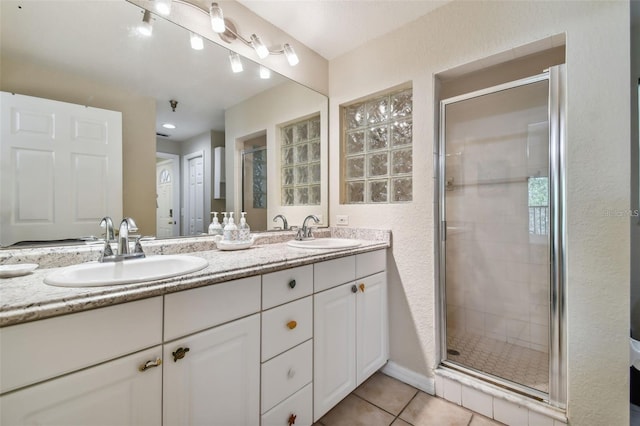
(405, 407)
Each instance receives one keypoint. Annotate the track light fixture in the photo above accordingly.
(225, 29)
(217, 18)
(236, 62)
(197, 43)
(265, 73)
(146, 28)
(163, 7)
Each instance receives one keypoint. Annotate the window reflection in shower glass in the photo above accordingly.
(496, 162)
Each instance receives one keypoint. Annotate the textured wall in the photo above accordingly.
(597, 35)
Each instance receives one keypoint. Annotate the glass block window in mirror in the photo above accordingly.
(377, 147)
(300, 162)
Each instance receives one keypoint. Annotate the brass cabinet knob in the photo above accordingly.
(292, 284)
(292, 325)
(354, 289)
(292, 419)
(179, 353)
(150, 364)
(361, 287)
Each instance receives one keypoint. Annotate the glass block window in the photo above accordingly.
(300, 163)
(377, 144)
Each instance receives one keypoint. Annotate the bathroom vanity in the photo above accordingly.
(273, 335)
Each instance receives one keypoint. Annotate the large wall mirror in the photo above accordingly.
(229, 150)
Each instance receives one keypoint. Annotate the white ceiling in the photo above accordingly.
(334, 27)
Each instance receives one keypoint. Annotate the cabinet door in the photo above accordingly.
(371, 325)
(334, 347)
(217, 381)
(114, 393)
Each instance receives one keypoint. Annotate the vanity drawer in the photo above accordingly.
(285, 374)
(286, 326)
(193, 310)
(39, 350)
(298, 405)
(370, 263)
(334, 272)
(284, 286)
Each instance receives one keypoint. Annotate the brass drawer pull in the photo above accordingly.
(292, 325)
(361, 287)
(292, 419)
(292, 284)
(150, 364)
(179, 353)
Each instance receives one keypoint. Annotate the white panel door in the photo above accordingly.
(194, 193)
(60, 168)
(334, 347)
(217, 381)
(114, 393)
(164, 195)
(371, 325)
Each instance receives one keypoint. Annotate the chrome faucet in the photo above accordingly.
(107, 223)
(285, 224)
(305, 233)
(126, 226)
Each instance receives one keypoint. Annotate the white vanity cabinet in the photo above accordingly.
(350, 326)
(277, 349)
(212, 377)
(77, 369)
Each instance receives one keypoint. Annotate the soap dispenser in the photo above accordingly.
(225, 219)
(215, 228)
(243, 229)
(231, 230)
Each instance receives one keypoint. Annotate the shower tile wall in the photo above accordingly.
(497, 273)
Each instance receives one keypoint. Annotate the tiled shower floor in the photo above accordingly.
(518, 364)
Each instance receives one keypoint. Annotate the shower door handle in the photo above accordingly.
(443, 230)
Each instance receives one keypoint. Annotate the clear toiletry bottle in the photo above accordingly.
(231, 230)
(215, 228)
(225, 219)
(244, 230)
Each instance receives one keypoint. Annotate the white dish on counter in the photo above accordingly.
(233, 245)
(9, 271)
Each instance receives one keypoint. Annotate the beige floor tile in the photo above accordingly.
(353, 411)
(479, 420)
(427, 410)
(400, 422)
(386, 392)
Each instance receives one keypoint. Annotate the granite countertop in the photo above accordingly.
(28, 298)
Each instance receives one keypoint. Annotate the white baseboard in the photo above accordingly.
(410, 377)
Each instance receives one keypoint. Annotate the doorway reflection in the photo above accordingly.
(254, 182)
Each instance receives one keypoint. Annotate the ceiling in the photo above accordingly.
(334, 27)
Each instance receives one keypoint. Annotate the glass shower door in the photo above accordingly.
(496, 233)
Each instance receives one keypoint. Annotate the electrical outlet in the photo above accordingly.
(342, 220)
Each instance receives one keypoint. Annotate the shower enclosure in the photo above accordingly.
(500, 226)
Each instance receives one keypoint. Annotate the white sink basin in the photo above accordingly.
(325, 243)
(150, 268)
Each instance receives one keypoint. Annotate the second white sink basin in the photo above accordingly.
(325, 243)
(150, 268)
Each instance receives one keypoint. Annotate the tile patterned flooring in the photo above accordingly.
(512, 362)
(384, 401)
